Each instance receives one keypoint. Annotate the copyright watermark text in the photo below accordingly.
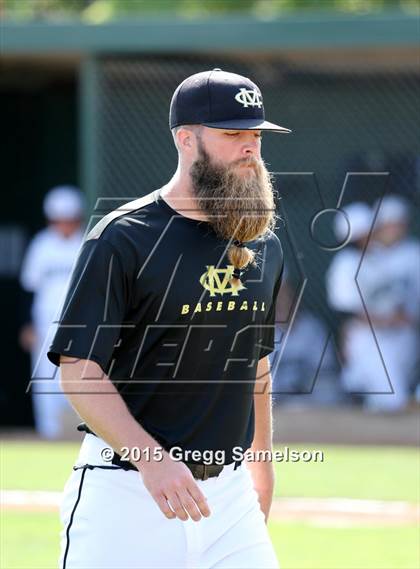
(147, 454)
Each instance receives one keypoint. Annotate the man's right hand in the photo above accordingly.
(169, 482)
(174, 488)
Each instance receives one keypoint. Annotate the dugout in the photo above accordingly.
(88, 104)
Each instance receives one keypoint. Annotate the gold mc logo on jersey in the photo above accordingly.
(217, 281)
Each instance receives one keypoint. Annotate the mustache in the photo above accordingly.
(248, 161)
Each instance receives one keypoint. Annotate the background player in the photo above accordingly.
(44, 276)
(390, 281)
(379, 334)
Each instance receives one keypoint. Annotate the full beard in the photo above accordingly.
(239, 207)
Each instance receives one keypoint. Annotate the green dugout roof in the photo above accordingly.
(233, 33)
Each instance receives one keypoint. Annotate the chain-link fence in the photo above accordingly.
(359, 122)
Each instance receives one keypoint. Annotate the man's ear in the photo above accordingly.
(185, 139)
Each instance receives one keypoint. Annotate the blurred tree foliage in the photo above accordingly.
(97, 11)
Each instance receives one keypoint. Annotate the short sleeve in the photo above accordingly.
(31, 271)
(268, 335)
(95, 305)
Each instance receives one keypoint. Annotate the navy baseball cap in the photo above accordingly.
(219, 99)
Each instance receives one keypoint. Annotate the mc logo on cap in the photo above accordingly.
(220, 99)
(249, 98)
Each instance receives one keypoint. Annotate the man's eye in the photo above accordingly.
(258, 135)
(232, 133)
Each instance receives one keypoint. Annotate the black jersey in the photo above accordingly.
(150, 300)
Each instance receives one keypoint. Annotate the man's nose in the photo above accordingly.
(251, 148)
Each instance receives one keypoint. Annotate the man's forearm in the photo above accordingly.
(263, 434)
(98, 402)
(263, 472)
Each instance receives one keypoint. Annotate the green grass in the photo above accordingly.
(300, 546)
(30, 541)
(36, 465)
(376, 473)
(372, 473)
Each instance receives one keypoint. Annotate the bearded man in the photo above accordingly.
(195, 380)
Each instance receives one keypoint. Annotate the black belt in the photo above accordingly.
(199, 471)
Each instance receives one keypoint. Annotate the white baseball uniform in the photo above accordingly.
(45, 272)
(379, 359)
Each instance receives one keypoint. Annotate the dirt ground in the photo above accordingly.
(326, 511)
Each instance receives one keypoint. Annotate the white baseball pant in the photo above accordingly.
(110, 521)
